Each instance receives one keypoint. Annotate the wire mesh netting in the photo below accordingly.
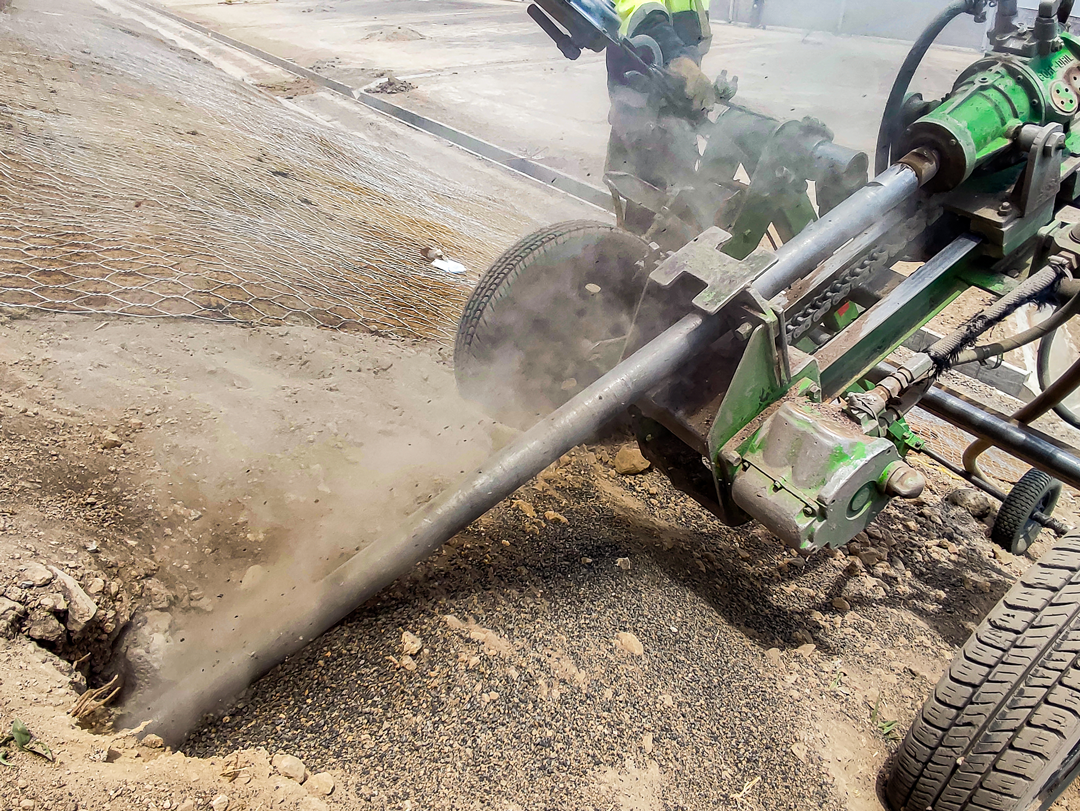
(137, 179)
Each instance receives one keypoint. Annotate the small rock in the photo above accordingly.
(623, 563)
(44, 627)
(551, 515)
(525, 507)
(110, 440)
(321, 783)
(220, 803)
(806, 650)
(186, 805)
(81, 608)
(977, 503)
(408, 663)
(289, 766)
(153, 741)
(630, 462)
(647, 743)
(800, 751)
(870, 557)
(629, 643)
(26, 804)
(840, 604)
(310, 803)
(410, 643)
(53, 602)
(36, 574)
(97, 586)
(774, 656)
(252, 577)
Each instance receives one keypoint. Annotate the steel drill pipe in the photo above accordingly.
(849, 219)
(377, 566)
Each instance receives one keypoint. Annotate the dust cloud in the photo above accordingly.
(298, 448)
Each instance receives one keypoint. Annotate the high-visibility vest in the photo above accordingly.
(690, 18)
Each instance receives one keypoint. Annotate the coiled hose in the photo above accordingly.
(889, 131)
(1045, 382)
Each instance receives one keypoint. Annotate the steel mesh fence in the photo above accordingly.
(136, 179)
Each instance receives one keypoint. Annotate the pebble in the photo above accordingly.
(37, 574)
(153, 741)
(110, 440)
(629, 461)
(411, 644)
(289, 766)
(186, 805)
(26, 804)
(841, 604)
(629, 643)
(220, 803)
(321, 783)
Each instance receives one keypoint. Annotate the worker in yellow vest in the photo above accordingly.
(681, 30)
(649, 140)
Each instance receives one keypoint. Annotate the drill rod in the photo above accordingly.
(377, 566)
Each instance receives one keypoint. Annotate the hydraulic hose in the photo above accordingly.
(1002, 347)
(890, 119)
(1043, 371)
(950, 350)
(1051, 396)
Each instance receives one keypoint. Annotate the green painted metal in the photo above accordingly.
(867, 350)
(990, 100)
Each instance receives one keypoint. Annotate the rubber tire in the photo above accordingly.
(526, 328)
(1006, 715)
(1014, 530)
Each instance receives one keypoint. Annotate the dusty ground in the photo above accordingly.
(522, 694)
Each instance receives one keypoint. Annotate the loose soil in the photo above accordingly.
(598, 641)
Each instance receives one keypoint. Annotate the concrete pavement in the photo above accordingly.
(484, 67)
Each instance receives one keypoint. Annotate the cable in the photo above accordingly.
(1043, 370)
(1060, 316)
(890, 119)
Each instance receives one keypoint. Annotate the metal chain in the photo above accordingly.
(837, 292)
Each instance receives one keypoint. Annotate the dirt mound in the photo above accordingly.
(392, 84)
(394, 33)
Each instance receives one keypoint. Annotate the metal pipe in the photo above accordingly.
(821, 239)
(1013, 439)
(379, 564)
(1061, 388)
(1053, 524)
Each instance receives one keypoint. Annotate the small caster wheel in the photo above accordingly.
(1015, 527)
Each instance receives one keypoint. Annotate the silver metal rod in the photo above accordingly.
(821, 239)
(241, 660)
(1013, 439)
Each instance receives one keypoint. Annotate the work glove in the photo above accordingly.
(696, 85)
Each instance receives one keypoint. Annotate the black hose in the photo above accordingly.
(889, 131)
(1042, 368)
(950, 350)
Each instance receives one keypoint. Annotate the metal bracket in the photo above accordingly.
(724, 277)
(1042, 176)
